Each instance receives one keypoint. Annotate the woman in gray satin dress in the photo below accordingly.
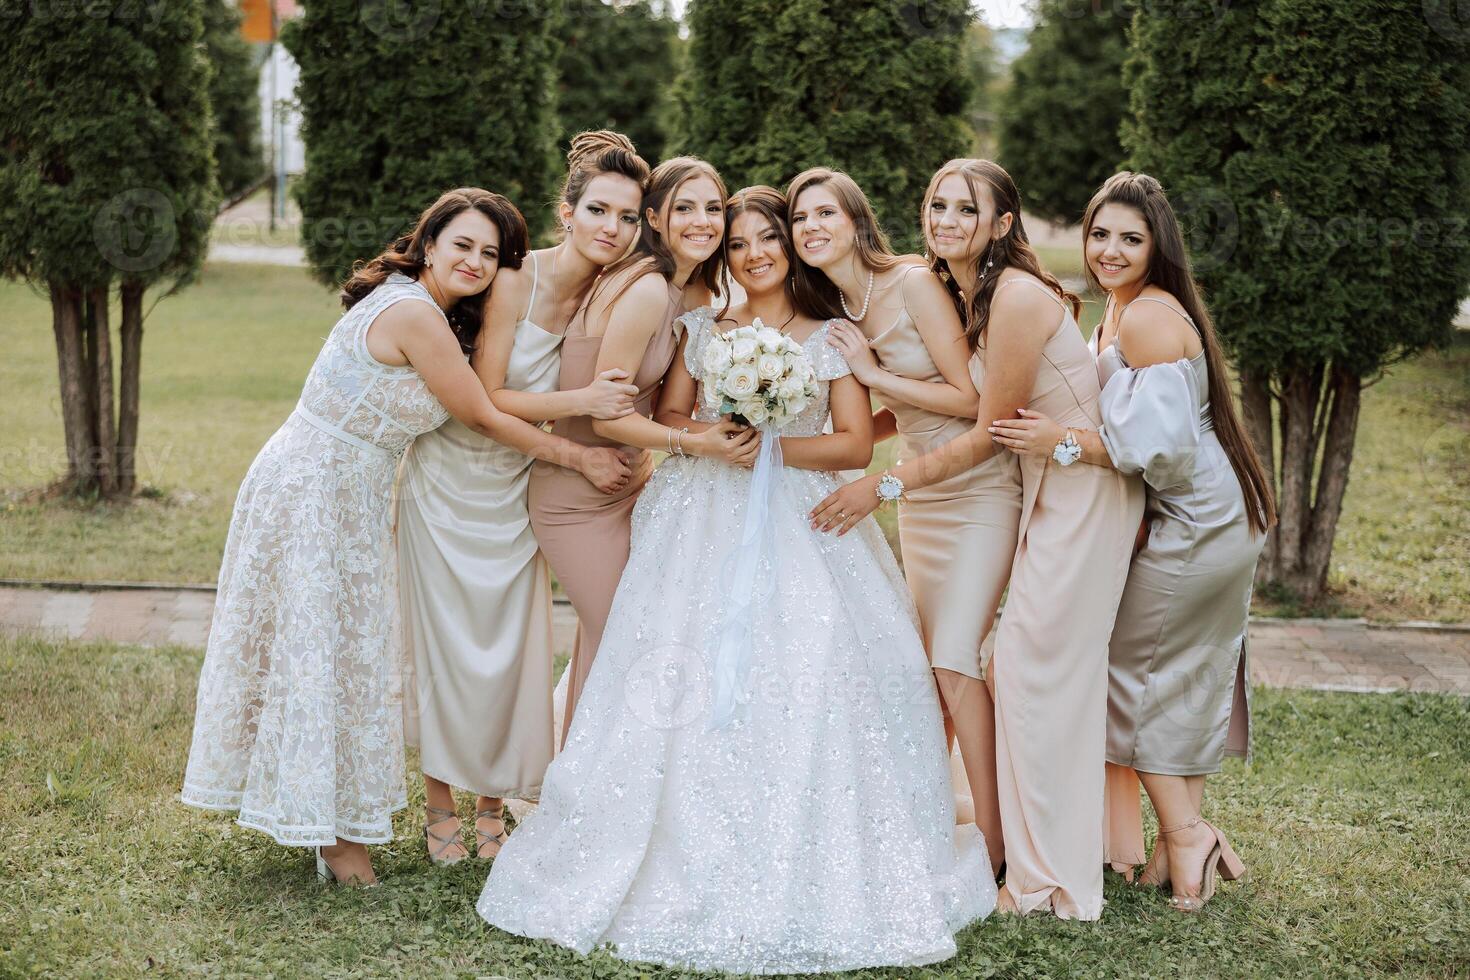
(1178, 690)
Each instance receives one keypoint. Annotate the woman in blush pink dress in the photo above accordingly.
(1178, 697)
(1049, 669)
(905, 341)
(629, 323)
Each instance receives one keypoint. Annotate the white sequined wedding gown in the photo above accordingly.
(815, 832)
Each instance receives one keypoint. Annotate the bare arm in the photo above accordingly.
(1148, 334)
(632, 320)
(849, 446)
(422, 338)
(606, 397)
(676, 410)
(933, 313)
(1021, 321)
(676, 398)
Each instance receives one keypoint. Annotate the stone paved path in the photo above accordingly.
(1331, 655)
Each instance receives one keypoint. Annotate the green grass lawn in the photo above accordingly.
(224, 361)
(1353, 819)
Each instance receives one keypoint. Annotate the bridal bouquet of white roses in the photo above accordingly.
(758, 376)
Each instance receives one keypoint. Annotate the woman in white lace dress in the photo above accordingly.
(816, 830)
(298, 723)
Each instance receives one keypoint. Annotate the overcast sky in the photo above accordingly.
(996, 13)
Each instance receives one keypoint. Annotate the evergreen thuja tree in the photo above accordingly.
(1059, 119)
(1317, 152)
(402, 102)
(234, 98)
(106, 182)
(615, 69)
(877, 88)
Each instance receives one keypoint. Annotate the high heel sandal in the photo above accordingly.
(1222, 857)
(326, 876)
(436, 854)
(484, 840)
(324, 872)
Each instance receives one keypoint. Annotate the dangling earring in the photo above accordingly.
(428, 262)
(989, 261)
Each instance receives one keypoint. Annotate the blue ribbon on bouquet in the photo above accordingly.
(757, 541)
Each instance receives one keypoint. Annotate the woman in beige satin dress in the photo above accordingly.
(475, 593)
(629, 323)
(1049, 667)
(1178, 697)
(905, 342)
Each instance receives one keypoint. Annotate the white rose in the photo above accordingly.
(791, 347)
(796, 405)
(791, 387)
(770, 367)
(770, 339)
(741, 381)
(743, 348)
(717, 358)
(755, 411)
(756, 324)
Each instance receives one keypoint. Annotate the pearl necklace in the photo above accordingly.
(867, 296)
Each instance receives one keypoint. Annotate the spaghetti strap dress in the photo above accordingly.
(1051, 648)
(958, 536)
(582, 531)
(476, 597)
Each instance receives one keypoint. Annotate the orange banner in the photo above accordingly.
(258, 24)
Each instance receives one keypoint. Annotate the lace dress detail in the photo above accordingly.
(816, 831)
(298, 721)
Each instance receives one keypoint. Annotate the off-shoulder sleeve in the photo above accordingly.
(695, 323)
(827, 360)
(1151, 422)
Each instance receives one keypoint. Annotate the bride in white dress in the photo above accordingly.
(816, 830)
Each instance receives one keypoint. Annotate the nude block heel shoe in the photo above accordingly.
(1222, 859)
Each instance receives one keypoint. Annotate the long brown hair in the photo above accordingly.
(1011, 250)
(1169, 270)
(651, 253)
(597, 152)
(770, 204)
(811, 286)
(406, 255)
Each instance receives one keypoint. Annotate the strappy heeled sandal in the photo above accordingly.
(484, 840)
(431, 839)
(1222, 858)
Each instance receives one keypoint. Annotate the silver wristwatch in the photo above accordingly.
(890, 487)
(1068, 451)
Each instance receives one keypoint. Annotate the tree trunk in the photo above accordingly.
(1346, 392)
(66, 320)
(130, 386)
(1298, 408)
(1255, 399)
(101, 344)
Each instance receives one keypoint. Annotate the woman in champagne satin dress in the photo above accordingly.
(1050, 662)
(475, 591)
(1178, 690)
(958, 536)
(630, 322)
